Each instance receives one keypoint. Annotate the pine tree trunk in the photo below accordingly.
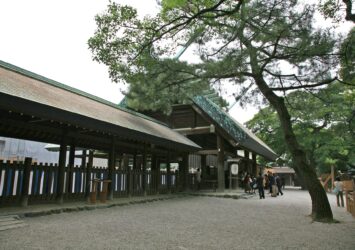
(321, 210)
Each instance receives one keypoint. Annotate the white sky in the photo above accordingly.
(50, 38)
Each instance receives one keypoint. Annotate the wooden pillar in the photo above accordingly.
(168, 177)
(255, 167)
(83, 165)
(111, 168)
(26, 181)
(129, 174)
(220, 164)
(88, 173)
(155, 173)
(184, 172)
(61, 172)
(70, 172)
(203, 166)
(144, 172)
(83, 159)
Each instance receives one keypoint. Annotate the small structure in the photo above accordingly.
(286, 173)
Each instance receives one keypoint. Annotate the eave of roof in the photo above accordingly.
(73, 90)
(238, 132)
(37, 89)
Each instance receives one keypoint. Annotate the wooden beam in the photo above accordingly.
(196, 130)
(213, 152)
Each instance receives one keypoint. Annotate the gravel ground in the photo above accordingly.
(191, 222)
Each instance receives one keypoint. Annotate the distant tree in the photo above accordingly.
(239, 42)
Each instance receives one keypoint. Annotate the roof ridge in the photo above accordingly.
(57, 84)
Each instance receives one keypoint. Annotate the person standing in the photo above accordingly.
(260, 183)
(339, 191)
(278, 184)
(198, 178)
(271, 181)
(266, 181)
(247, 181)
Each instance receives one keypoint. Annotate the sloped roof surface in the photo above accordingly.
(27, 85)
(238, 132)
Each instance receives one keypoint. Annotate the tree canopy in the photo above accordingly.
(324, 123)
(270, 47)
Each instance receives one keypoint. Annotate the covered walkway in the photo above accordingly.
(33, 107)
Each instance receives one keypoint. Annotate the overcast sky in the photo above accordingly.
(50, 39)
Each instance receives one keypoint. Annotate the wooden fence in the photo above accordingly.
(42, 183)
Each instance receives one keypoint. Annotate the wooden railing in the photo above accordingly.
(348, 187)
(42, 182)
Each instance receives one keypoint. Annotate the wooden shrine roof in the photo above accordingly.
(30, 88)
(237, 131)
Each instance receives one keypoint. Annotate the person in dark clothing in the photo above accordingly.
(271, 181)
(260, 183)
(278, 184)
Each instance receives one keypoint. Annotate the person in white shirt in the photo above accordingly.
(198, 178)
(339, 187)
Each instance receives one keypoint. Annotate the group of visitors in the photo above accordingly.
(269, 181)
(249, 183)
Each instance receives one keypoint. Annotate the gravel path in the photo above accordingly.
(190, 222)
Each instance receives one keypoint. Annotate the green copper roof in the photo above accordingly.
(73, 90)
(238, 132)
(123, 103)
(219, 116)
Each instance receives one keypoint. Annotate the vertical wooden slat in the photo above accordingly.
(20, 168)
(50, 181)
(70, 171)
(13, 187)
(45, 181)
(88, 174)
(26, 181)
(61, 172)
(6, 177)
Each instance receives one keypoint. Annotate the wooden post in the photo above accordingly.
(220, 164)
(144, 176)
(168, 177)
(129, 174)
(83, 165)
(111, 168)
(70, 172)
(26, 181)
(255, 168)
(88, 174)
(61, 172)
(203, 166)
(155, 173)
(184, 172)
